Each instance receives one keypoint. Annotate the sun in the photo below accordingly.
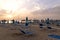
(9, 16)
(14, 8)
(10, 5)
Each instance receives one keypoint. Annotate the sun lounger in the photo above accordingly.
(54, 36)
(49, 27)
(26, 32)
(41, 25)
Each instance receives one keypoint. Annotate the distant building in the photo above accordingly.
(42, 21)
(23, 21)
(57, 22)
(3, 21)
(13, 21)
(26, 20)
(36, 21)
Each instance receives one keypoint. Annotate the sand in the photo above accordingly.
(11, 32)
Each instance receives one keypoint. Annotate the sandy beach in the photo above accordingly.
(11, 32)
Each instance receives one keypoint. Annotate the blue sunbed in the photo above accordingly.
(54, 36)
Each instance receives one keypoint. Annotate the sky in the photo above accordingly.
(15, 9)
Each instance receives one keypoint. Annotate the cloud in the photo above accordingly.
(28, 4)
(25, 7)
(52, 13)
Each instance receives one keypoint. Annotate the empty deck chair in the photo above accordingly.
(41, 25)
(26, 32)
(49, 27)
(54, 36)
(48, 24)
(26, 29)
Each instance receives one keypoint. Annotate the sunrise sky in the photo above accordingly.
(19, 9)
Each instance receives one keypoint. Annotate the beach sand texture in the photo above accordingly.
(11, 32)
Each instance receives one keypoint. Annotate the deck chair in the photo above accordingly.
(41, 25)
(49, 27)
(26, 32)
(54, 36)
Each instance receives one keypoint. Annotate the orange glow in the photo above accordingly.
(15, 9)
